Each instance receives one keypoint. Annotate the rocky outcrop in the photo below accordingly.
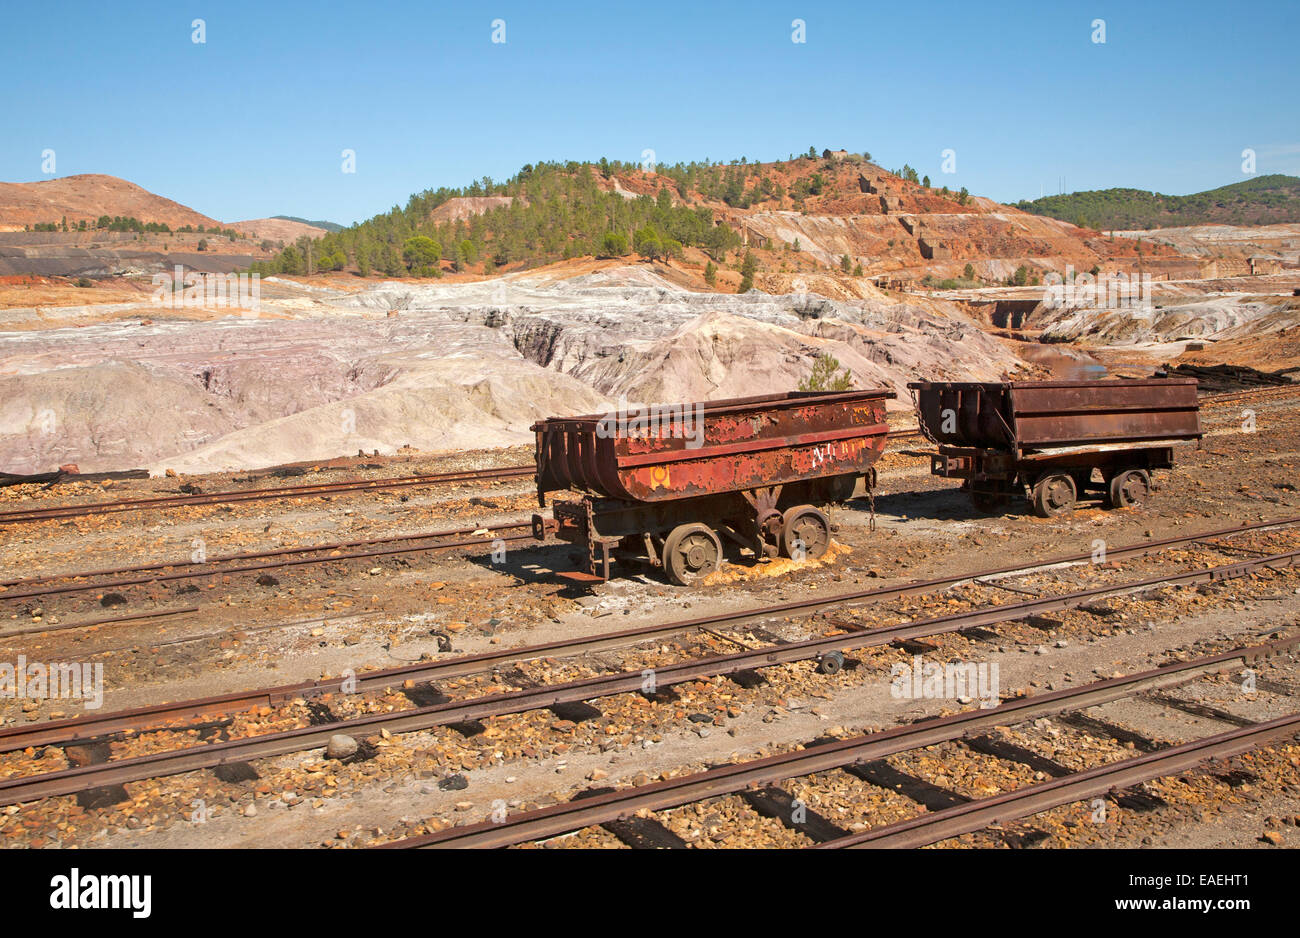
(1166, 318)
(468, 206)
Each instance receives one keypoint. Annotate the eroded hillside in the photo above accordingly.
(322, 372)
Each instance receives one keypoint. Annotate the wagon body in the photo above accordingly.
(668, 480)
(1051, 438)
(1025, 416)
(691, 450)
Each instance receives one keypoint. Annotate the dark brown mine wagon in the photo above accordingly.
(1057, 441)
(665, 482)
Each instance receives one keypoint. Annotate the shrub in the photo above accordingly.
(747, 270)
(421, 254)
(613, 244)
(826, 375)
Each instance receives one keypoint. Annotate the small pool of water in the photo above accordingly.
(1065, 363)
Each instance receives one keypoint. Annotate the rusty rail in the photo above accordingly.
(498, 472)
(287, 491)
(172, 762)
(1269, 392)
(976, 815)
(727, 779)
(213, 567)
(81, 728)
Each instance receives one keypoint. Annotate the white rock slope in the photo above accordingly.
(439, 367)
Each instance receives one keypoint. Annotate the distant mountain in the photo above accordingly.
(327, 225)
(1264, 200)
(278, 229)
(88, 197)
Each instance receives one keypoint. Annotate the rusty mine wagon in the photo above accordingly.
(667, 484)
(1056, 441)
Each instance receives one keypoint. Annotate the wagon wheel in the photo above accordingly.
(1054, 494)
(1130, 488)
(691, 552)
(769, 533)
(805, 533)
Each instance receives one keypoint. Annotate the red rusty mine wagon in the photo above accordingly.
(666, 482)
(1056, 441)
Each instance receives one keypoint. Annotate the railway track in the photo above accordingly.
(139, 719)
(250, 495)
(827, 650)
(1021, 803)
(763, 775)
(1271, 392)
(58, 584)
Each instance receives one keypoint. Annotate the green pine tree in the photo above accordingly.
(826, 375)
(747, 270)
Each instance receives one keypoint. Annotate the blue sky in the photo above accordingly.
(253, 121)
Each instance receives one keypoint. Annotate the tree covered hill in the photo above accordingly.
(1263, 200)
(327, 225)
(559, 210)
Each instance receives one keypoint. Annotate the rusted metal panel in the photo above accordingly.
(963, 413)
(1025, 416)
(1060, 413)
(690, 450)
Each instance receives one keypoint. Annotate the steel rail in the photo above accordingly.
(255, 567)
(259, 555)
(1267, 391)
(327, 488)
(577, 814)
(171, 762)
(287, 491)
(95, 725)
(45, 627)
(976, 815)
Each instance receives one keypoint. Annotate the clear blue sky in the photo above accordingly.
(253, 122)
